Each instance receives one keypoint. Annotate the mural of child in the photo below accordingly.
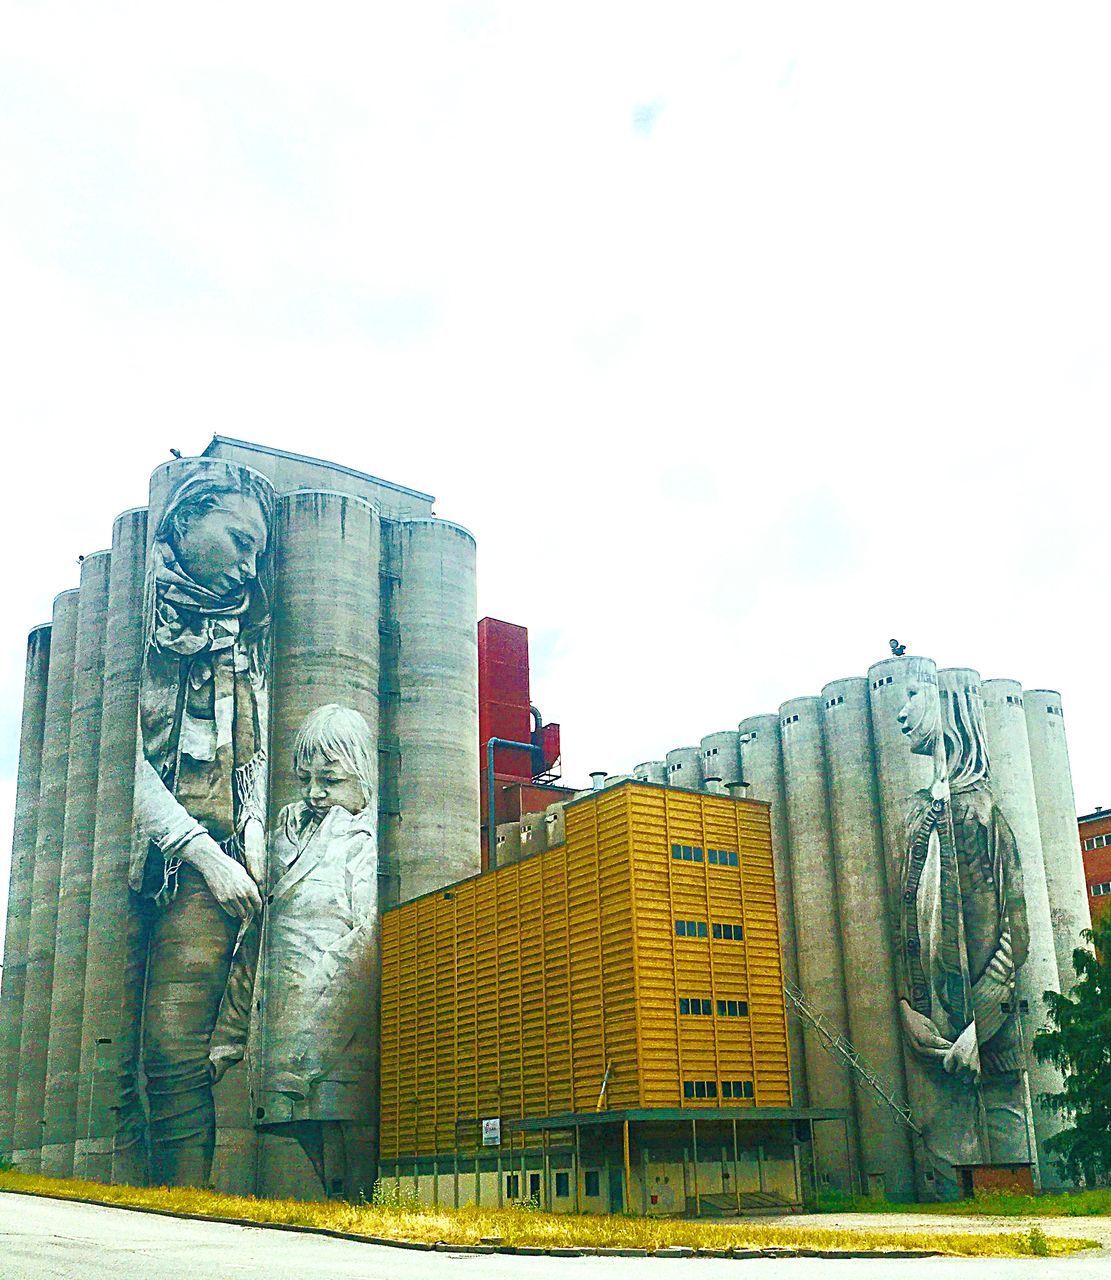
(319, 955)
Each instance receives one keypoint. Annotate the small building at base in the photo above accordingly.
(599, 1027)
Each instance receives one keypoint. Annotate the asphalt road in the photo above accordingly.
(41, 1239)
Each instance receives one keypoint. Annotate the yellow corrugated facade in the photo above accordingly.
(510, 994)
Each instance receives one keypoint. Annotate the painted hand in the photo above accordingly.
(963, 1060)
(923, 1035)
(1002, 966)
(254, 850)
(227, 881)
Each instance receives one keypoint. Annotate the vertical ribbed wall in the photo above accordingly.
(865, 930)
(1064, 863)
(762, 769)
(72, 935)
(23, 866)
(1012, 786)
(684, 768)
(35, 1029)
(821, 969)
(326, 650)
(108, 1100)
(437, 707)
(721, 756)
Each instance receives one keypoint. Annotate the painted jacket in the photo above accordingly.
(320, 946)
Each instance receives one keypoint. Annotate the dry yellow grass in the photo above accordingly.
(520, 1227)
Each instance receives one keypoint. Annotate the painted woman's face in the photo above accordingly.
(219, 548)
(326, 784)
(920, 718)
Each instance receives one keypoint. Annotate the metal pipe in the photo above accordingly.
(491, 828)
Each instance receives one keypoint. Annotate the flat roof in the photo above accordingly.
(317, 462)
(1094, 817)
(569, 1119)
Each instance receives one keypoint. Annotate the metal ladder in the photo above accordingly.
(839, 1047)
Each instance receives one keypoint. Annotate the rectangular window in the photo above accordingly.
(702, 931)
(680, 928)
(592, 1183)
(534, 1187)
(729, 932)
(695, 1005)
(697, 854)
(700, 1088)
(684, 1005)
(512, 1186)
(732, 1008)
(562, 1184)
(688, 1088)
(712, 857)
(736, 1089)
(677, 851)
(717, 930)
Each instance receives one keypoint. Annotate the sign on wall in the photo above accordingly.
(491, 1132)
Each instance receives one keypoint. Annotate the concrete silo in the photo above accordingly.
(72, 935)
(556, 824)
(1064, 863)
(534, 833)
(35, 1027)
(886, 1155)
(437, 706)
(762, 769)
(1012, 786)
(651, 771)
(684, 768)
(23, 867)
(110, 1124)
(721, 756)
(821, 968)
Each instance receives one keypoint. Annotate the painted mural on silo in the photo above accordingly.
(199, 852)
(961, 935)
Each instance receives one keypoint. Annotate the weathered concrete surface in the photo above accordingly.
(71, 939)
(762, 769)
(821, 966)
(862, 894)
(437, 706)
(1064, 863)
(721, 756)
(35, 1029)
(25, 826)
(1012, 785)
(684, 768)
(651, 771)
(110, 1122)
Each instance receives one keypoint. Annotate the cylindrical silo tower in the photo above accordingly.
(721, 756)
(1064, 863)
(35, 1028)
(821, 969)
(886, 1154)
(23, 867)
(556, 826)
(684, 768)
(651, 771)
(326, 651)
(437, 712)
(111, 1140)
(72, 936)
(762, 769)
(1012, 787)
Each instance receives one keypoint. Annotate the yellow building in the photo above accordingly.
(600, 1026)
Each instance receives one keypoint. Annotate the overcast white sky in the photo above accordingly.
(743, 336)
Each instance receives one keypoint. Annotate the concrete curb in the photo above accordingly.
(670, 1251)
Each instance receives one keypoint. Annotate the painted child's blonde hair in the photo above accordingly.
(341, 735)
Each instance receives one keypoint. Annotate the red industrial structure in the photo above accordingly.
(1095, 845)
(524, 776)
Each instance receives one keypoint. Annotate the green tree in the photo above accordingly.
(1078, 1043)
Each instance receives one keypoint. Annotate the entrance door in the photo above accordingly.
(617, 1189)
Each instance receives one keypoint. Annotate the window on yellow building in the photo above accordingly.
(700, 1088)
(691, 929)
(736, 1089)
(732, 1008)
(695, 1006)
(723, 858)
(729, 932)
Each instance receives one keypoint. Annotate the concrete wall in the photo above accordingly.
(23, 868)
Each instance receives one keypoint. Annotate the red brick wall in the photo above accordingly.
(1097, 863)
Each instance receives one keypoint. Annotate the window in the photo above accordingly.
(732, 1008)
(695, 1006)
(729, 932)
(592, 1183)
(700, 1088)
(686, 853)
(534, 1186)
(736, 1089)
(562, 1184)
(1101, 890)
(723, 857)
(691, 929)
(512, 1186)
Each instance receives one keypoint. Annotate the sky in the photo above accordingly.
(743, 336)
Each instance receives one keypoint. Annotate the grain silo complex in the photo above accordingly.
(298, 901)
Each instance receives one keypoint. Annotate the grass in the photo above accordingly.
(403, 1219)
(987, 1204)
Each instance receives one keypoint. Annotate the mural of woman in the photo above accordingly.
(200, 790)
(962, 931)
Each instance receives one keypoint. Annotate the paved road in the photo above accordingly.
(52, 1240)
